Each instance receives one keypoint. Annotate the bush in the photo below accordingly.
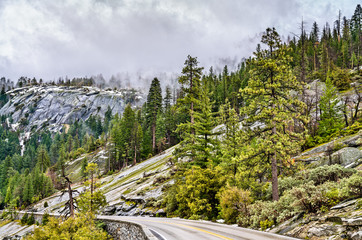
(333, 173)
(309, 197)
(318, 175)
(24, 219)
(352, 186)
(46, 205)
(341, 79)
(195, 194)
(266, 224)
(285, 184)
(31, 220)
(80, 151)
(234, 202)
(80, 227)
(260, 211)
(45, 219)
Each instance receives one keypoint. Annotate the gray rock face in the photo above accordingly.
(357, 236)
(109, 210)
(346, 156)
(52, 106)
(324, 230)
(353, 222)
(344, 204)
(349, 156)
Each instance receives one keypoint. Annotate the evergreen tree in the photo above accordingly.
(137, 136)
(43, 158)
(61, 160)
(28, 192)
(201, 147)
(270, 104)
(154, 106)
(168, 98)
(126, 127)
(230, 148)
(331, 119)
(190, 81)
(83, 167)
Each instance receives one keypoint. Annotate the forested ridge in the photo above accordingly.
(237, 132)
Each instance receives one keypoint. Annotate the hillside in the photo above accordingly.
(50, 107)
(136, 190)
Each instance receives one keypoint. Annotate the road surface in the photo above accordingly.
(180, 229)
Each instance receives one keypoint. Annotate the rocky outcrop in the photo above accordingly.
(14, 230)
(343, 221)
(52, 106)
(345, 151)
(347, 157)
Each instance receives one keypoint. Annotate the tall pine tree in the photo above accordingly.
(154, 106)
(190, 81)
(271, 106)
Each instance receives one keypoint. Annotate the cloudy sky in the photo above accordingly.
(48, 39)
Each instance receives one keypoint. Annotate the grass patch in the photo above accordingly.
(127, 191)
(148, 168)
(4, 222)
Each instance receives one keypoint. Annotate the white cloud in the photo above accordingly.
(45, 38)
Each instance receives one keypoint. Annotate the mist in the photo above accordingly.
(136, 40)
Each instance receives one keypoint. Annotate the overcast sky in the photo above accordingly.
(51, 38)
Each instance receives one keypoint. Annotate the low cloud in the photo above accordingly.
(48, 39)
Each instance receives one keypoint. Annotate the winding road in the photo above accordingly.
(181, 229)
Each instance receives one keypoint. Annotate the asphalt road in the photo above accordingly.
(180, 229)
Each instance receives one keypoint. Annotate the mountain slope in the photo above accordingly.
(37, 107)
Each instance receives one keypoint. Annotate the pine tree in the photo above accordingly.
(126, 128)
(43, 158)
(28, 191)
(168, 98)
(201, 147)
(331, 119)
(137, 137)
(61, 160)
(154, 106)
(83, 167)
(230, 148)
(69, 144)
(271, 106)
(190, 80)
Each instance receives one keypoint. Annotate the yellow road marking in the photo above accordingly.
(199, 229)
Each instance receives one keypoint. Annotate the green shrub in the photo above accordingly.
(333, 195)
(46, 205)
(266, 224)
(260, 211)
(45, 219)
(194, 195)
(333, 173)
(340, 78)
(234, 202)
(318, 175)
(359, 204)
(80, 227)
(24, 219)
(353, 185)
(285, 184)
(285, 208)
(31, 220)
(309, 197)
